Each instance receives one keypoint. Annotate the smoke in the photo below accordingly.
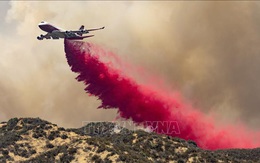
(207, 50)
(146, 104)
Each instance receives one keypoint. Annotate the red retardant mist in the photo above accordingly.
(148, 106)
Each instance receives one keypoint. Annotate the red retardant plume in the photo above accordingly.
(150, 106)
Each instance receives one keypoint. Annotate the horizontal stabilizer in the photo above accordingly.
(88, 36)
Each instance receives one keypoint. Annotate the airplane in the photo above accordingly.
(57, 33)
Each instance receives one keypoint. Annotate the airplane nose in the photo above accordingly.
(42, 23)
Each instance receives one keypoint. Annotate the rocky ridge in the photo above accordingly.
(36, 140)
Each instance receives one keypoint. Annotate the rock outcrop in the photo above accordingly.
(36, 140)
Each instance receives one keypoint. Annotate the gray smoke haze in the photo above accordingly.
(207, 50)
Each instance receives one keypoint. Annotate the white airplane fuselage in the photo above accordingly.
(50, 29)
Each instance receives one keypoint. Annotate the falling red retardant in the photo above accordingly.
(149, 106)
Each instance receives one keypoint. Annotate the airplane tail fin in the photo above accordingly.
(81, 27)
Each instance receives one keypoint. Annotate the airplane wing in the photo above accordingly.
(47, 36)
(82, 31)
(54, 35)
(87, 36)
(95, 29)
(76, 34)
(79, 37)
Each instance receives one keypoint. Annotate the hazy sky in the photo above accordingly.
(209, 51)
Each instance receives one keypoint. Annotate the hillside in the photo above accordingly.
(36, 140)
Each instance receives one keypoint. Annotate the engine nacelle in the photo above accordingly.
(39, 38)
